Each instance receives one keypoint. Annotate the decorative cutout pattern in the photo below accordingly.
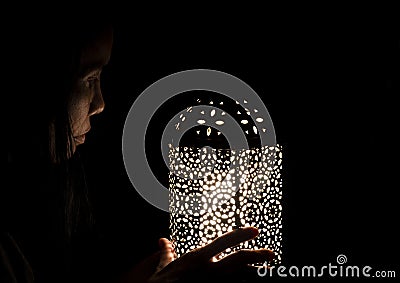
(213, 191)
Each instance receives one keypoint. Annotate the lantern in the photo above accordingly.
(215, 189)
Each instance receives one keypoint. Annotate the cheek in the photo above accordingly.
(79, 108)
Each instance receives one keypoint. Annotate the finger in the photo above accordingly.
(242, 258)
(163, 242)
(167, 254)
(228, 240)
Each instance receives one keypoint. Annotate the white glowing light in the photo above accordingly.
(201, 122)
(244, 122)
(219, 122)
(208, 131)
(259, 119)
(219, 207)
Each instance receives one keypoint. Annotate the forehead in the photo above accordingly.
(96, 51)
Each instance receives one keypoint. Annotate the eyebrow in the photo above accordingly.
(93, 67)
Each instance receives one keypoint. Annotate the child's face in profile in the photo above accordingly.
(86, 99)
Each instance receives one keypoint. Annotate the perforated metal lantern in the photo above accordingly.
(215, 190)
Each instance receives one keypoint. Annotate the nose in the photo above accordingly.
(97, 103)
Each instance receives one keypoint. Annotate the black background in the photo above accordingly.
(330, 87)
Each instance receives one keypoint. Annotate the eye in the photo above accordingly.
(90, 81)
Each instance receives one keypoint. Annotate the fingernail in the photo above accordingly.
(271, 255)
(253, 231)
(249, 230)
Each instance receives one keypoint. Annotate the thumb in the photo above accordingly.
(167, 253)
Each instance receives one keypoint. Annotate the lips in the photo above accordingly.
(80, 139)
